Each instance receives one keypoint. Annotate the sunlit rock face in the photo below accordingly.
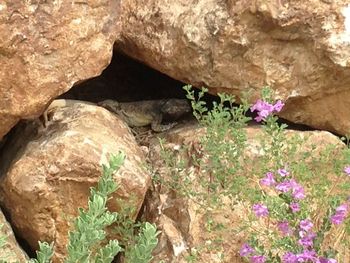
(49, 175)
(299, 48)
(46, 48)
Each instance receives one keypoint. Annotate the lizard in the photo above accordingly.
(149, 112)
(135, 114)
(60, 103)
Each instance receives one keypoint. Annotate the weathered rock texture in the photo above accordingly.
(184, 224)
(51, 174)
(299, 48)
(11, 251)
(47, 47)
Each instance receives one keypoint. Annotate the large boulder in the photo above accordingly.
(299, 48)
(10, 251)
(47, 47)
(47, 172)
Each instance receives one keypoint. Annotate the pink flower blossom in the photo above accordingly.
(347, 170)
(283, 172)
(289, 257)
(307, 256)
(341, 213)
(337, 219)
(258, 259)
(268, 180)
(295, 207)
(284, 187)
(298, 192)
(264, 109)
(278, 106)
(306, 225)
(283, 227)
(260, 210)
(327, 260)
(246, 250)
(306, 239)
(342, 208)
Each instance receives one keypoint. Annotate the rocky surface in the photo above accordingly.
(47, 172)
(11, 251)
(299, 48)
(184, 224)
(46, 47)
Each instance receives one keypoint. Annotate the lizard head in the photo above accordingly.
(176, 108)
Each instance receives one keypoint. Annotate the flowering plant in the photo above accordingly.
(300, 241)
(293, 233)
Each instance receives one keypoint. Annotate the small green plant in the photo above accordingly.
(138, 247)
(145, 242)
(223, 144)
(87, 242)
(294, 229)
(89, 226)
(44, 254)
(298, 212)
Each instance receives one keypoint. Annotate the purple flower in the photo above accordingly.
(260, 210)
(342, 209)
(261, 116)
(258, 259)
(306, 239)
(295, 207)
(278, 106)
(306, 225)
(338, 218)
(268, 180)
(327, 260)
(263, 108)
(283, 172)
(298, 192)
(283, 227)
(284, 187)
(347, 170)
(261, 105)
(340, 214)
(246, 250)
(289, 257)
(307, 256)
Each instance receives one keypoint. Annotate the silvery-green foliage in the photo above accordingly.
(146, 241)
(89, 226)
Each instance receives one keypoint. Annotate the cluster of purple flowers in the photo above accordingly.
(285, 185)
(289, 257)
(264, 109)
(341, 212)
(248, 251)
(347, 170)
(303, 232)
(306, 256)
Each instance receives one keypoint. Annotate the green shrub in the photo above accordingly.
(297, 199)
(87, 240)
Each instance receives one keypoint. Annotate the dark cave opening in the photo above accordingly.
(126, 80)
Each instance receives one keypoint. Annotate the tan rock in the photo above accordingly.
(10, 251)
(184, 223)
(299, 48)
(46, 48)
(50, 175)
